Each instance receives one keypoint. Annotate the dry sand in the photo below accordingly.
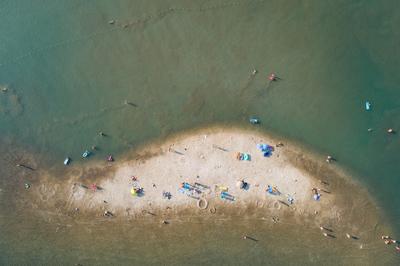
(207, 157)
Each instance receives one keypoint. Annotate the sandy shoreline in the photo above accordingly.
(206, 156)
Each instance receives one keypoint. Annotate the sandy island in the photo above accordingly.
(207, 159)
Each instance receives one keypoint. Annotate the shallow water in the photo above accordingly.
(181, 64)
(183, 242)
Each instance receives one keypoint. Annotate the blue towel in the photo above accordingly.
(265, 147)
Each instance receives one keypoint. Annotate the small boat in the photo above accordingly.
(110, 158)
(367, 106)
(254, 121)
(67, 161)
(86, 154)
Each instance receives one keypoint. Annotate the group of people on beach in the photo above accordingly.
(388, 241)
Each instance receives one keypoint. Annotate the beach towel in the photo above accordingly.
(265, 149)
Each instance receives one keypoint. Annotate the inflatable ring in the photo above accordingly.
(213, 210)
(199, 204)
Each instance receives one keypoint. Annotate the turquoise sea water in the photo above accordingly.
(182, 64)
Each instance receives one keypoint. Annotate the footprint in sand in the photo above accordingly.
(46, 192)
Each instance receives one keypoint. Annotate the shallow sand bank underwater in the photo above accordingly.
(208, 156)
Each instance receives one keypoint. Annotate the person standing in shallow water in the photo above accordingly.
(329, 159)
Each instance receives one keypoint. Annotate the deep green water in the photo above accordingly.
(188, 63)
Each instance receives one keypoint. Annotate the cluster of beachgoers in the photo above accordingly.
(201, 168)
(388, 240)
(215, 170)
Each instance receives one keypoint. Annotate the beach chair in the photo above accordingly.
(221, 188)
(225, 196)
